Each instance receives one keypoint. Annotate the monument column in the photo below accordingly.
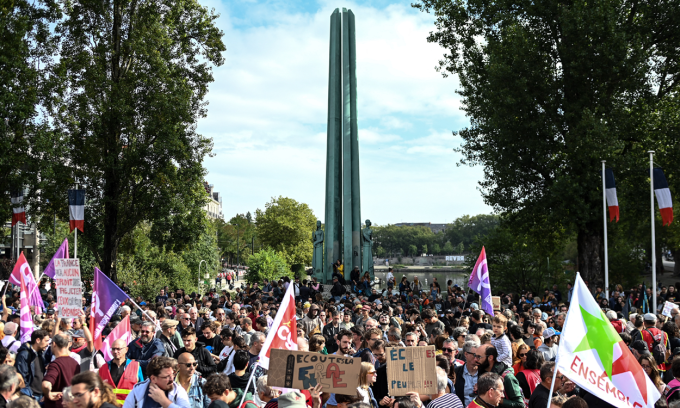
(354, 148)
(348, 249)
(333, 218)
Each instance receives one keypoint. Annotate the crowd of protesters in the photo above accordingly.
(191, 350)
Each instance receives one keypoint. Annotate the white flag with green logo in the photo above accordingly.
(592, 355)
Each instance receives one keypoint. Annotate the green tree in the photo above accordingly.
(267, 264)
(236, 238)
(286, 226)
(448, 248)
(413, 250)
(436, 249)
(27, 48)
(460, 248)
(467, 229)
(380, 252)
(552, 88)
(425, 249)
(133, 77)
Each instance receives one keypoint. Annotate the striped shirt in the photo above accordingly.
(504, 349)
(446, 401)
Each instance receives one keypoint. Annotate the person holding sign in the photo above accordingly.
(441, 399)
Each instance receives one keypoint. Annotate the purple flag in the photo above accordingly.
(106, 299)
(479, 282)
(62, 252)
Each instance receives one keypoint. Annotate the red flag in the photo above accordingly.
(122, 331)
(283, 333)
(23, 270)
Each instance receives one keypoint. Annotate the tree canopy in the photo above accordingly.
(551, 89)
(286, 226)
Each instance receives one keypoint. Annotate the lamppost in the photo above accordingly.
(199, 273)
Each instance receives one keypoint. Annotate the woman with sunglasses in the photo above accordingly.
(520, 358)
(367, 377)
(530, 376)
(648, 364)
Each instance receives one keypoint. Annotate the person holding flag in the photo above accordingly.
(479, 282)
(592, 355)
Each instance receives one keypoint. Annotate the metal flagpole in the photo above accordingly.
(257, 363)
(653, 254)
(75, 255)
(606, 250)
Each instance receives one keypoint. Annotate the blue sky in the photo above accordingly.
(268, 107)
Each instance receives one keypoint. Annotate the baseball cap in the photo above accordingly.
(168, 323)
(50, 311)
(377, 302)
(544, 316)
(474, 306)
(135, 320)
(650, 317)
(676, 351)
(639, 345)
(293, 399)
(549, 332)
(78, 334)
(142, 303)
(307, 304)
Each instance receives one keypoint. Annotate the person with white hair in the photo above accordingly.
(264, 392)
(303, 344)
(615, 322)
(9, 341)
(441, 399)
(125, 311)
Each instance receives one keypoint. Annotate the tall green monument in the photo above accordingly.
(343, 239)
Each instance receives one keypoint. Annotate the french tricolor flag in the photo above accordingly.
(610, 190)
(18, 210)
(663, 196)
(76, 209)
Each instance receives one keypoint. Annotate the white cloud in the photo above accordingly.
(268, 110)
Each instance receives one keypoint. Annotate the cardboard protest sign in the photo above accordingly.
(411, 369)
(496, 302)
(69, 289)
(667, 307)
(302, 369)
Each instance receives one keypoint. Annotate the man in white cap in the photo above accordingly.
(9, 341)
(651, 334)
(293, 399)
(549, 346)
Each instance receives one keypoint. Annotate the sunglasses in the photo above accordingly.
(522, 355)
(194, 364)
(447, 350)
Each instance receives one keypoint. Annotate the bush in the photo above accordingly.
(267, 264)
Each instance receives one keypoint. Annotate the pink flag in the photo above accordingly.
(23, 270)
(122, 331)
(479, 282)
(26, 322)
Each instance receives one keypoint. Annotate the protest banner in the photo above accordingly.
(667, 307)
(302, 369)
(411, 369)
(69, 289)
(496, 302)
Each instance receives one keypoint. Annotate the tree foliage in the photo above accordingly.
(130, 82)
(286, 226)
(267, 264)
(552, 88)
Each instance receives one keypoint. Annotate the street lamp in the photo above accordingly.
(199, 273)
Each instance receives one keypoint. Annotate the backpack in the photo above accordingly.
(505, 392)
(658, 349)
(669, 391)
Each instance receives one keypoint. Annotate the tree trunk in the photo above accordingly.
(111, 239)
(676, 267)
(590, 264)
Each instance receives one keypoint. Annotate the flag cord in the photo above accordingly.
(248, 385)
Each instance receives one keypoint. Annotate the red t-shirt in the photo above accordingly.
(59, 373)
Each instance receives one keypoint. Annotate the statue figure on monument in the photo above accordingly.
(317, 255)
(367, 241)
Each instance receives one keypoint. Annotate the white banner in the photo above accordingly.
(69, 289)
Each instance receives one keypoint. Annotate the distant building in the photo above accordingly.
(213, 207)
(29, 241)
(434, 227)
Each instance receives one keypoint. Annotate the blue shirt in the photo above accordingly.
(470, 382)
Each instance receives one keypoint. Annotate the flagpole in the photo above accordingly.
(252, 373)
(653, 254)
(606, 250)
(158, 327)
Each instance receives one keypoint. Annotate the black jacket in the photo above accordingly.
(459, 385)
(338, 289)
(329, 332)
(206, 364)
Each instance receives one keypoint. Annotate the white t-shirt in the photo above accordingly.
(9, 340)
